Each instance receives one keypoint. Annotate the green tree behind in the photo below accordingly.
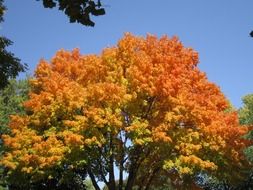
(11, 99)
(246, 118)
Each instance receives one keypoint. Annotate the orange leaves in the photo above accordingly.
(108, 93)
(197, 162)
(17, 122)
(8, 162)
(30, 152)
(73, 139)
(144, 92)
(43, 70)
(160, 66)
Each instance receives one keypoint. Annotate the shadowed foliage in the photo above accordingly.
(77, 10)
(251, 33)
(11, 99)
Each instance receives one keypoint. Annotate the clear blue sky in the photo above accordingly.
(217, 29)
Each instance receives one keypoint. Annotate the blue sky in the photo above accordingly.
(218, 30)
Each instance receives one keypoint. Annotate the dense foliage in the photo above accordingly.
(246, 118)
(11, 100)
(77, 10)
(142, 106)
(246, 112)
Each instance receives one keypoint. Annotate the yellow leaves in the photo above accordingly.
(160, 133)
(108, 92)
(104, 117)
(173, 117)
(188, 148)
(139, 132)
(146, 90)
(161, 136)
(185, 170)
(73, 139)
(29, 151)
(197, 162)
(189, 164)
(92, 141)
(70, 123)
(8, 164)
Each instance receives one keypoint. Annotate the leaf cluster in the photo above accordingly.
(77, 10)
(11, 101)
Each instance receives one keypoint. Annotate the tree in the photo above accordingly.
(11, 99)
(142, 106)
(246, 118)
(77, 10)
(10, 65)
(246, 111)
(11, 102)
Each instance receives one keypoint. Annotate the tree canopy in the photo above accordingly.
(11, 101)
(142, 106)
(246, 111)
(77, 10)
(246, 118)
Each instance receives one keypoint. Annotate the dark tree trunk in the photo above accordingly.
(93, 180)
(136, 160)
(121, 173)
(131, 177)
(151, 177)
(112, 185)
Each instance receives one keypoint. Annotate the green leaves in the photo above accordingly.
(246, 118)
(246, 112)
(11, 101)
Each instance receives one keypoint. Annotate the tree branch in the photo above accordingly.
(112, 185)
(151, 177)
(137, 159)
(93, 180)
(151, 101)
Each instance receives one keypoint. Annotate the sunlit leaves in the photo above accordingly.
(143, 103)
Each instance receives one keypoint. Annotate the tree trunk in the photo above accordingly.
(93, 180)
(121, 173)
(131, 177)
(151, 177)
(112, 185)
(138, 156)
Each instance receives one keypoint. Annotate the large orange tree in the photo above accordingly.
(142, 106)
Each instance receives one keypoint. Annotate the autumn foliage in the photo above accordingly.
(143, 106)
